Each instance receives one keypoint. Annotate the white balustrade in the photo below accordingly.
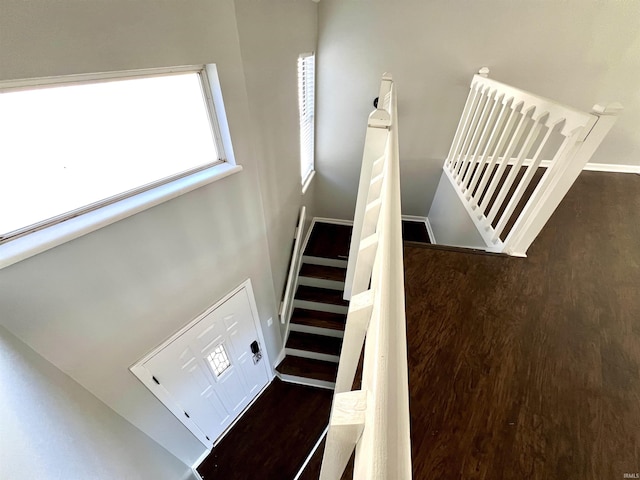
(375, 419)
(499, 145)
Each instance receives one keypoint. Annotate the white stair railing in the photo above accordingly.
(286, 306)
(375, 419)
(502, 138)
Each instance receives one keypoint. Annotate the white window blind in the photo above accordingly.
(306, 99)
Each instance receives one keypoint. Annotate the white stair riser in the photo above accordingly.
(328, 262)
(321, 307)
(322, 283)
(314, 355)
(329, 332)
(311, 382)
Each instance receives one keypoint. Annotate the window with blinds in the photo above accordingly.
(306, 100)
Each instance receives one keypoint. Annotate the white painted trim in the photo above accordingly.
(220, 112)
(80, 78)
(614, 168)
(196, 474)
(325, 357)
(311, 454)
(303, 247)
(307, 181)
(327, 332)
(26, 246)
(290, 287)
(200, 459)
(592, 167)
(427, 224)
(308, 382)
(413, 218)
(432, 237)
(140, 371)
(258, 324)
(306, 239)
(335, 221)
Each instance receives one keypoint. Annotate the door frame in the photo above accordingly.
(138, 369)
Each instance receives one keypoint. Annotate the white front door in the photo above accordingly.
(210, 372)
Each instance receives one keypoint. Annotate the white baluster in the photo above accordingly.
(347, 421)
(364, 263)
(515, 168)
(512, 115)
(522, 186)
(466, 122)
(482, 131)
(515, 139)
(495, 133)
(360, 310)
(471, 132)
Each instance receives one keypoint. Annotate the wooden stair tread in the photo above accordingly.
(320, 295)
(310, 342)
(308, 368)
(315, 318)
(323, 272)
(329, 240)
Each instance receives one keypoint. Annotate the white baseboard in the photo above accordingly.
(336, 221)
(432, 237)
(600, 167)
(414, 218)
(311, 454)
(610, 167)
(425, 220)
(197, 463)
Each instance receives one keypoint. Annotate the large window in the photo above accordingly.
(306, 99)
(71, 145)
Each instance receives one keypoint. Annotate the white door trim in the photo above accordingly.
(163, 395)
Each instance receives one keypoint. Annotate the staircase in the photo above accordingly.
(319, 315)
(318, 320)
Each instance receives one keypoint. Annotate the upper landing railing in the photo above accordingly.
(375, 419)
(503, 136)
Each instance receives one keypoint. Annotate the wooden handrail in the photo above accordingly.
(375, 419)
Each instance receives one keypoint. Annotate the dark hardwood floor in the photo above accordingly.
(274, 437)
(518, 368)
(312, 470)
(329, 240)
(530, 368)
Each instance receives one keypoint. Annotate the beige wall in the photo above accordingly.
(52, 428)
(94, 306)
(272, 35)
(577, 51)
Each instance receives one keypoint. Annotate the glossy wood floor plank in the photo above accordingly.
(329, 240)
(530, 368)
(273, 438)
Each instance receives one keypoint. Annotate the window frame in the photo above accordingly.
(83, 79)
(41, 236)
(307, 176)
